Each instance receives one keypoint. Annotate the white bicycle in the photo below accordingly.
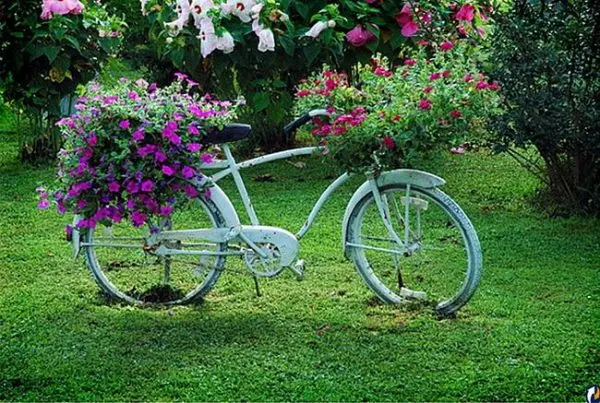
(408, 240)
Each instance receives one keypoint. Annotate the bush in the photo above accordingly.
(269, 51)
(399, 115)
(46, 54)
(547, 58)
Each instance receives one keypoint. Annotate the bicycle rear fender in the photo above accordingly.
(403, 176)
(217, 196)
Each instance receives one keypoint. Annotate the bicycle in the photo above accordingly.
(399, 230)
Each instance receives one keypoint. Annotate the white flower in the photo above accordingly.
(266, 40)
(225, 43)
(255, 12)
(208, 38)
(182, 7)
(240, 8)
(200, 9)
(143, 4)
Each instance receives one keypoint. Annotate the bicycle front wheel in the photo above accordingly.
(128, 270)
(438, 258)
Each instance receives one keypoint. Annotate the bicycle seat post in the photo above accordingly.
(239, 182)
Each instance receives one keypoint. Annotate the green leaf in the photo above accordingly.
(288, 44)
(51, 52)
(260, 101)
(311, 52)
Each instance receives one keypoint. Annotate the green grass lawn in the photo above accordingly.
(530, 333)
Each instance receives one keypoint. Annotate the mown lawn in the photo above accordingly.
(530, 333)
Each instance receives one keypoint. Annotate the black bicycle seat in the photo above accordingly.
(229, 134)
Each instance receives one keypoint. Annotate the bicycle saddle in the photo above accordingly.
(229, 134)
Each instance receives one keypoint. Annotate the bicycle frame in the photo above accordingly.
(229, 166)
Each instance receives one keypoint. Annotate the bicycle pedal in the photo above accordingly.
(298, 269)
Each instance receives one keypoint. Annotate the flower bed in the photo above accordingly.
(394, 116)
(133, 152)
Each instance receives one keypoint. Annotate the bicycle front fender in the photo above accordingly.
(403, 176)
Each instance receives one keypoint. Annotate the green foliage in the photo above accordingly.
(547, 57)
(43, 61)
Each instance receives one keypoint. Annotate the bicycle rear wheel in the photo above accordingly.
(126, 270)
(439, 259)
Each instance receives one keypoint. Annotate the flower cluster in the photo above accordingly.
(401, 114)
(60, 7)
(208, 14)
(134, 152)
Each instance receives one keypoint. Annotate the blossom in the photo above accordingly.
(168, 170)
(43, 204)
(190, 191)
(389, 143)
(138, 218)
(410, 62)
(60, 7)
(182, 7)
(405, 20)
(446, 46)
(124, 124)
(188, 172)
(465, 13)
(425, 104)
(193, 129)
(434, 76)
(147, 186)
(410, 29)
(266, 40)
(456, 114)
(360, 36)
(138, 135)
(428, 89)
(240, 8)
(446, 73)
(114, 187)
(207, 158)
(194, 147)
(166, 211)
(208, 37)
(319, 27)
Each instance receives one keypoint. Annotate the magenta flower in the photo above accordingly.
(159, 156)
(168, 170)
(166, 211)
(138, 218)
(138, 135)
(43, 204)
(193, 130)
(425, 104)
(114, 187)
(446, 46)
(207, 159)
(410, 62)
(147, 186)
(360, 36)
(456, 114)
(434, 76)
(194, 147)
(125, 124)
(188, 172)
(389, 143)
(466, 13)
(190, 191)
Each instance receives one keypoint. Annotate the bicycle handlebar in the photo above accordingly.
(302, 120)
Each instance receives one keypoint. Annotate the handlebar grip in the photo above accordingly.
(291, 127)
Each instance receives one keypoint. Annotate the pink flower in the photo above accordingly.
(389, 143)
(114, 187)
(457, 150)
(43, 204)
(428, 89)
(207, 159)
(410, 62)
(456, 114)
(410, 29)
(482, 85)
(60, 7)
(468, 78)
(404, 16)
(425, 104)
(138, 218)
(465, 13)
(147, 186)
(167, 170)
(125, 124)
(303, 93)
(166, 211)
(193, 130)
(190, 191)
(446, 73)
(360, 36)
(446, 46)
(434, 76)
(188, 172)
(138, 135)
(194, 147)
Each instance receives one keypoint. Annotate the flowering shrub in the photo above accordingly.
(134, 151)
(271, 44)
(394, 116)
